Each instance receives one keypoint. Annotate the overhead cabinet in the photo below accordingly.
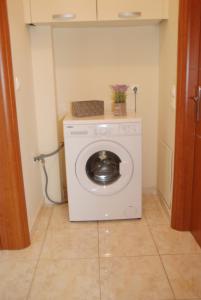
(53, 11)
(132, 9)
(48, 11)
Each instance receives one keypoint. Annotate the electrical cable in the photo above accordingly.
(135, 95)
(135, 103)
(41, 158)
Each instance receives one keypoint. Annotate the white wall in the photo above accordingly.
(89, 60)
(45, 103)
(167, 105)
(21, 56)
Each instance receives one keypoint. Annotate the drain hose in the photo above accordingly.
(41, 158)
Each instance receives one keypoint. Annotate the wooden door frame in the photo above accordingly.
(14, 231)
(185, 116)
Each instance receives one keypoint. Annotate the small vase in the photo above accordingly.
(120, 109)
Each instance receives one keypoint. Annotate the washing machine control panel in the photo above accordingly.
(118, 129)
(107, 130)
(129, 129)
(103, 130)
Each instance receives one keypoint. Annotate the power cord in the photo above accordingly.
(41, 158)
(135, 89)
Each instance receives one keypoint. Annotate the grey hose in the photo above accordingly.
(41, 158)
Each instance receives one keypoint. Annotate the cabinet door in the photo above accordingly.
(132, 9)
(45, 11)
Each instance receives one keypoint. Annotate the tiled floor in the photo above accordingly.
(118, 260)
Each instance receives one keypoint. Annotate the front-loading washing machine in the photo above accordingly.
(103, 166)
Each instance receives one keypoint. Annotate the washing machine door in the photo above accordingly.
(104, 168)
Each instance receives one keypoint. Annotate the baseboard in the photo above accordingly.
(164, 204)
(33, 219)
(150, 191)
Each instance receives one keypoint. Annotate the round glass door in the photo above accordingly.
(103, 167)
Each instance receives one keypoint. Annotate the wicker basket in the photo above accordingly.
(88, 108)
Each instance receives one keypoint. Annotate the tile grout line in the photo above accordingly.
(39, 255)
(167, 276)
(106, 257)
(149, 227)
(160, 255)
(99, 260)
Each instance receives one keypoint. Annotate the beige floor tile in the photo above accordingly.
(184, 272)
(134, 278)
(66, 243)
(156, 216)
(60, 219)
(15, 278)
(125, 239)
(151, 202)
(170, 241)
(127, 224)
(43, 218)
(37, 238)
(66, 280)
(1, 255)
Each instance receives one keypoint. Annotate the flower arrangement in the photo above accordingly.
(119, 99)
(119, 93)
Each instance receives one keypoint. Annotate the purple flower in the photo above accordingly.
(119, 92)
(120, 88)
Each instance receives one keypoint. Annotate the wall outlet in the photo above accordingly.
(135, 87)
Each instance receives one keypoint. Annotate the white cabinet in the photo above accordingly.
(47, 11)
(51, 11)
(132, 9)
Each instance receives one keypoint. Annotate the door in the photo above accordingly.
(185, 205)
(196, 205)
(45, 11)
(14, 232)
(104, 168)
(186, 210)
(132, 9)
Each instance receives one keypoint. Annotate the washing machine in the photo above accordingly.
(103, 167)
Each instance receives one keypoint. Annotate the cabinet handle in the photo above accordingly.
(67, 16)
(129, 14)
